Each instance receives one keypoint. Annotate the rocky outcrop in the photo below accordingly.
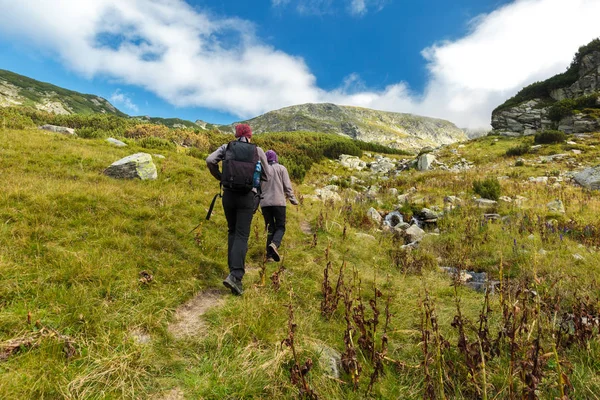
(405, 131)
(589, 178)
(533, 114)
(137, 165)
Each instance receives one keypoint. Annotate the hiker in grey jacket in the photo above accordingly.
(239, 207)
(273, 204)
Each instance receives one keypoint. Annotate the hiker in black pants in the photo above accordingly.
(240, 196)
(273, 204)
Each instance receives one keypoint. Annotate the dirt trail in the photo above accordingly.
(188, 319)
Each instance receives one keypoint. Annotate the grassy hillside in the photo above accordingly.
(90, 324)
(32, 93)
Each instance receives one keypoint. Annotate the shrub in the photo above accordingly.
(196, 153)
(156, 143)
(489, 188)
(147, 130)
(11, 118)
(91, 133)
(561, 109)
(518, 150)
(549, 137)
(519, 163)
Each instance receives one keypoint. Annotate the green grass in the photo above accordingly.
(73, 242)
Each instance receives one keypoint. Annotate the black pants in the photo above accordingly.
(275, 222)
(239, 210)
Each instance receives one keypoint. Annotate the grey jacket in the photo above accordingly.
(213, 160)
(278, 188)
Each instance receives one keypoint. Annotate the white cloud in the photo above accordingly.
(190, 58)
(119, 99)
(324, 7)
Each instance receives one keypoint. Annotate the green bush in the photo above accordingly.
(489, 188)
(561, 109)
(550, 137)
(518, 150)
(156, 143)
(91, 133)
(11, 118)
(519, 163)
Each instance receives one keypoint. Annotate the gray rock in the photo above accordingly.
(330, 361)
(393, 219)
(393, 191)
(427, 214)
(116, 142)
(485, 203)
(158, 156)
(425, 161)
(374, 215)
(589, 178)
(137, 165)
(328, 193)
(352, 162)
(413, 234)
(556, 206)
(58, 129)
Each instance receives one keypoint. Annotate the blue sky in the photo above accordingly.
(222, 61)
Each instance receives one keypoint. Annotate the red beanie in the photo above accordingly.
(243, 130)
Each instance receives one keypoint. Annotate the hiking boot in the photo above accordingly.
(274, 254)
(270, 259)
(234, 285)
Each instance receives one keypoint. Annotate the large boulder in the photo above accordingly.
(139, 165)
(58, 129)
(425, 161)
(589, 178)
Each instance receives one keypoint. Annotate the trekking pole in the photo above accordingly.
(210, 209)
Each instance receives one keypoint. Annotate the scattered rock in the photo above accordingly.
(414, 234)
(424, 161)
(539, 179)
(556, 206)
(330, 361)
(505, 199)
(578, 257)
(393, 219)
(374, 215)
(365, 236)
(428, 215)
(328, 193)
(188, 317)
(485, 203)
(138, 165)
(159, 156)
(589, 178)
(352, 162)
(116, 142)
(58, 129)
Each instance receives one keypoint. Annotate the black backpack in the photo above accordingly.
(238, 166)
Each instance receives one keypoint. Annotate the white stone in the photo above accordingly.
(424, 161)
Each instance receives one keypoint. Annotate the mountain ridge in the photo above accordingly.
(396, 130)
(20, 90)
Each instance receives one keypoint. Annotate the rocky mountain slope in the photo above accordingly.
(569, 101)
(405, 131)
(18, 90)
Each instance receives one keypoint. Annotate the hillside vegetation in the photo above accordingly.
(99, 276)
(20, 90)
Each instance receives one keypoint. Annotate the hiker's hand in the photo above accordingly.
(294, 202)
